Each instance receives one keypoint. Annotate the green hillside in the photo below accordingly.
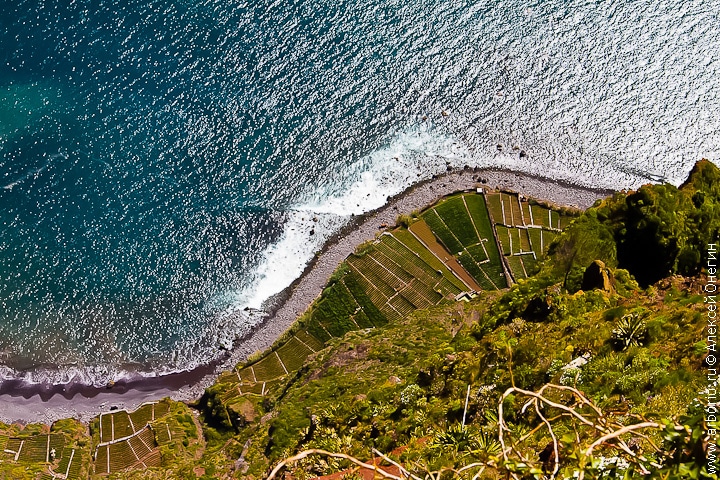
(578, 352)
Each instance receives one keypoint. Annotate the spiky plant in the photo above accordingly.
(455, 437)
(630, 331)
(487, 445)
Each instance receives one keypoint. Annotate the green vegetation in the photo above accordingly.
(462, 224)
(157, 437)
(409, 378)
(654, 232)
(538, 380)
(455, 215)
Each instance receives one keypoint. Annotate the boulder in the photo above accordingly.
(597, 276)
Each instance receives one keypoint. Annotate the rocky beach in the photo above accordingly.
(47, 403)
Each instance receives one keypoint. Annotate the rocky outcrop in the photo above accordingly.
(597, 276)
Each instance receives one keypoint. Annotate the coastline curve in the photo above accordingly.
(26, 402)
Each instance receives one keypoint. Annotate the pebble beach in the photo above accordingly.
(47, 403)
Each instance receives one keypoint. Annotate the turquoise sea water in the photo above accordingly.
(162, 163)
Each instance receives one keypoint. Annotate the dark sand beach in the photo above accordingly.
(46, 403)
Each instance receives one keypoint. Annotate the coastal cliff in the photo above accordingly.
(487, 335)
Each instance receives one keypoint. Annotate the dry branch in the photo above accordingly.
(317, 451)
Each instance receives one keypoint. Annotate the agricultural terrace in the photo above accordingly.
(462, 225)
(41, 452)
(449, 248)
(524, 230)
(133, 440)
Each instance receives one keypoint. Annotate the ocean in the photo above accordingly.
(167, 166)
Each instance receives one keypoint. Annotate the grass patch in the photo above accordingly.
(503, 234)
(516, 267)
(412, 244)
(309, 340)
(293, 354)
(494, 206)
(268, 368)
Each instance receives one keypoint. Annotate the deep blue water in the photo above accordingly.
(162, 162)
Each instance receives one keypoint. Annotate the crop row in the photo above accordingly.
(410, 243)
(456, 217)
(442, 232)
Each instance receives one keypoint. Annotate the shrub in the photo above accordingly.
(404, 220)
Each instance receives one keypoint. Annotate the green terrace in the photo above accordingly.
(156, 434)
(39, 452)
(145, 438)
(466, 242)
(524, 230)
(462, 225)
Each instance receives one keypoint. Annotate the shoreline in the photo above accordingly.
(30, 403)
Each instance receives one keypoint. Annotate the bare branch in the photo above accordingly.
(317, 451)
(615, 434)
(534, 430)
(393, 462)
(554, 441)
(576, 392)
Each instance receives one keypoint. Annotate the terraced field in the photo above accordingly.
(465, 242)
(390, 278)
(463, 227)
(41, 453)
(64, 450)
(70, 465)
(524, 230)
(470, 241)
(127, 440)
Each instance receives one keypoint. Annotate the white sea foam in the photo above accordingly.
(410, 157)
(609, 94)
